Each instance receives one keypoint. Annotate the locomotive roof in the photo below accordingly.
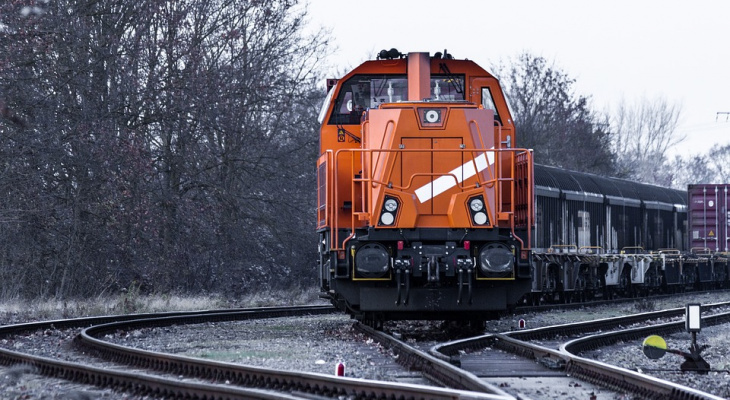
(399, 65)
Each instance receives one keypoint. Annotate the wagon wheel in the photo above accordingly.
(651, 281)
(554, 286)
(690, 279)
(581, 285)
(624, 283)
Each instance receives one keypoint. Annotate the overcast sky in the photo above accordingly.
(619, 50)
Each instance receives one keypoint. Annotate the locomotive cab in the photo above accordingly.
(424, 208)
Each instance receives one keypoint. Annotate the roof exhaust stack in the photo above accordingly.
(419, 76)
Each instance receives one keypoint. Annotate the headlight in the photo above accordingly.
(480, 218)
(478, 211)
(496, 260)
(389, 211)
(391, 205)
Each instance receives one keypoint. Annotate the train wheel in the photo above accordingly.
(477, 325)
(651, 281)
(375, 323)
(577, 297)
(691, 279)
(555, 286)
(625, 283)
(602, 290)
(568, 297)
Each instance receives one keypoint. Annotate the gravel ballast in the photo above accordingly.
(319, 343)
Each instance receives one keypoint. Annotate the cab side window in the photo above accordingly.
(488, 103)
(362, 92)
(350, 104)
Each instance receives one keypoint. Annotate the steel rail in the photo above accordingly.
(592, 371)
(90, 321)
(136, 382)
(297, 383)
(433, 367)
(447, 350)
(524, 308)
(595, 371)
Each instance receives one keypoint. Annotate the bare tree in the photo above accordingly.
(643, 134)
(551, 119)
(719, 158)
(712, 167)
(164, 142)
(681, 171)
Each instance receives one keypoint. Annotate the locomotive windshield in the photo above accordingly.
(362, 92)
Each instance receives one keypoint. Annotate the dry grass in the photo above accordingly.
(131, 302)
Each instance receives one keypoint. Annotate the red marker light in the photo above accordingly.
(340, 369)
(521, 324)
(400, 245)
(467, 245)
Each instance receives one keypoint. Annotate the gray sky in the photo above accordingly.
(621, 50)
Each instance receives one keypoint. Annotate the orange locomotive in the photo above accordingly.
(424, 205)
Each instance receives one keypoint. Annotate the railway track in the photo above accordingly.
(557, 347)
(174, 376)
(496, 365)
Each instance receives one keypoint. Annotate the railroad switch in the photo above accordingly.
(552, 363)
(655, 346)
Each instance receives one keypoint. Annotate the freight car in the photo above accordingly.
(426, 210)
(709, 217)
(599, 237)
(593, 234)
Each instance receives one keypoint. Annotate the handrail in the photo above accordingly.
(590, 249)
(637, 249)
(491, 177)
(700, 250)
(324, 200)
(567, 247)
(673, 252)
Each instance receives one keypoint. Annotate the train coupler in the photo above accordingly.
(402, 278)
(465, 265)
(433, 269)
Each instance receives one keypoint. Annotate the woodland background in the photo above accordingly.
(170, 145)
